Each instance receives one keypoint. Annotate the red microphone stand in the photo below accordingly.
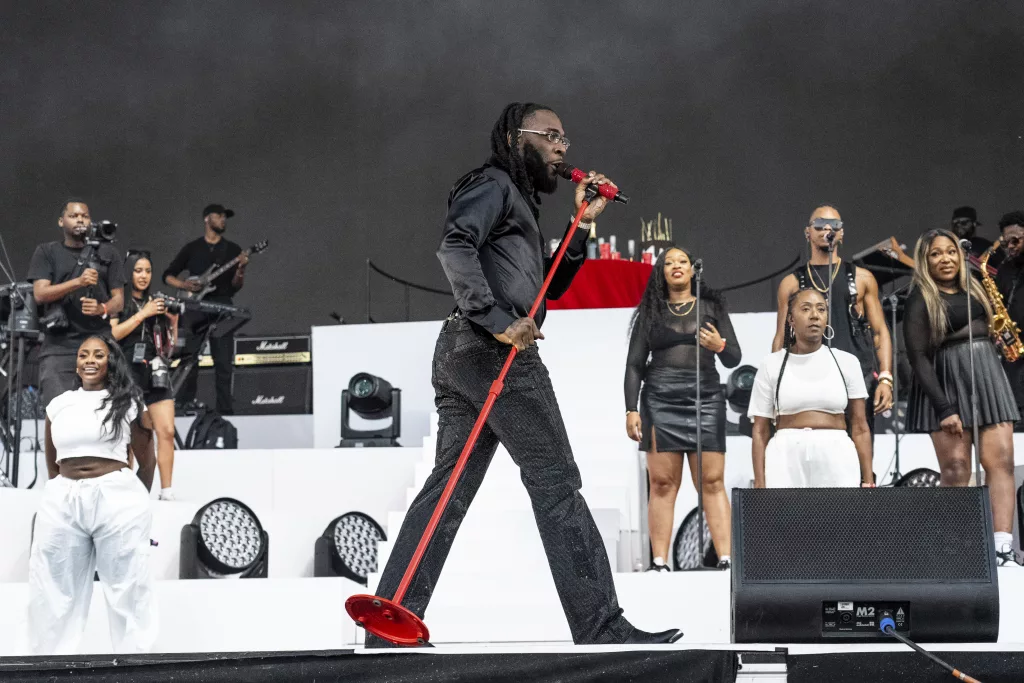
(385, 618)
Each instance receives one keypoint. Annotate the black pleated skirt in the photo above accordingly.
(953, 366)
(668, 404)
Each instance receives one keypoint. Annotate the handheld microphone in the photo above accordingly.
(965, 244)
(608, 191)
(698, 266)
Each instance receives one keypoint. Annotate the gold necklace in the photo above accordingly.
(675, 312)
(824, 288)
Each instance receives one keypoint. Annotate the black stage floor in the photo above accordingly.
(642, 666)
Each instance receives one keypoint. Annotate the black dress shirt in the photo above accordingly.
(492, 251)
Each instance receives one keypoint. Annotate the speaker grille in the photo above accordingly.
(829, 535)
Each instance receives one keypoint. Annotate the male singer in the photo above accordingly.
(492, 251)
(86, 294)
(856, 317)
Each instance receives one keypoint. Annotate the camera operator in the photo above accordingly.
(147, 332)
(79, 281)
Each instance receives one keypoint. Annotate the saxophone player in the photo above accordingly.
(936, 326)
(1010, 281)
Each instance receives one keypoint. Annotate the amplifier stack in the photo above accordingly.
(273, 375)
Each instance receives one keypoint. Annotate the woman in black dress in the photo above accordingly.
(936, 328)
(664, 328)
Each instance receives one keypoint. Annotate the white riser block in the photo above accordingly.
(506, 473)
(468, 608)
(508, 543)
(517, 500)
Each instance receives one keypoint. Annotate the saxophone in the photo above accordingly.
(1004, 331)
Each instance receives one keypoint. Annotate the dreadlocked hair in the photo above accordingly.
(789, 338)
(122, 391)
(507, 156)
(652, 304)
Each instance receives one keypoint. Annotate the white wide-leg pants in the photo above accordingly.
(83, 527)
(811, 458)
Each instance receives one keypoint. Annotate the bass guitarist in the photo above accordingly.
(212, 249)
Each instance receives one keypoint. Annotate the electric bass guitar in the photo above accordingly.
(213, 272)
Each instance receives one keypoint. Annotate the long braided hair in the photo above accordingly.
(507, 156)
(652, 304)
(122, 391)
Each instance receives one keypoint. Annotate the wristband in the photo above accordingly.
(104, 307)
(724, 344)
(885, 380)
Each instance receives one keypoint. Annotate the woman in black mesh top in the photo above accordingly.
(664, 328)
(935, 326)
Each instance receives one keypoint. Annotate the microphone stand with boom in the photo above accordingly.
(388, 619)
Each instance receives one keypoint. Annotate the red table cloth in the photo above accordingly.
(605, 283)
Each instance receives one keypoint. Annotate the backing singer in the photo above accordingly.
(665, 327)
(936, 329)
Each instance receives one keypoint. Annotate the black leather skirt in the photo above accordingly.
(953, 366)
(668, 405)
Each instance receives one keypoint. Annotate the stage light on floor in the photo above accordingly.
(737, 393)
(225, 539)
(348, 547)
(684, 548)
(371, 398)
(921, 477)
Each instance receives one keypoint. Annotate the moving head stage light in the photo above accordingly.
(737, 393)
(348, 547)
(224, 540)
(371, 398)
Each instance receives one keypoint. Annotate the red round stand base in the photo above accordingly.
(387, 620)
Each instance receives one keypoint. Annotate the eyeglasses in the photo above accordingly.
(962, 221)
(1014, 241)
(552, 137)
(820, 224)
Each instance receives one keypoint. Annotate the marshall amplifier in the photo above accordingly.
(280, 390)
(278, 350)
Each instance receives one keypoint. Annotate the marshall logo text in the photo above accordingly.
(262, 400)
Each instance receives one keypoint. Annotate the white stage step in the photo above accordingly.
(215, 616)
(508, 542)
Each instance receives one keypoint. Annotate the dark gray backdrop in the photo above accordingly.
(335, 129)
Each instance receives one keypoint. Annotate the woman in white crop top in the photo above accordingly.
(94, 516)
(807, 389)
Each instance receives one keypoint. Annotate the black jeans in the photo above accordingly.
(222, 349)
(527, 421)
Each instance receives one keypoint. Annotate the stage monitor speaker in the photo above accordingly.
(826, 565)
(273, 390)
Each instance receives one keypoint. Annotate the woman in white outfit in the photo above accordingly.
(808, 389)
(94, 517)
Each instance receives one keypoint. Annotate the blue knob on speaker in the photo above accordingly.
(887, 621)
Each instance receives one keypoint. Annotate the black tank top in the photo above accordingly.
(852, 332)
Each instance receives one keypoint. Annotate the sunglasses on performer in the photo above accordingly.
(827, 224)
(962, 221)
(552, 137)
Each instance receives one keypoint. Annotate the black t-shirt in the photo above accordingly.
(143, 333)
(58, 263)
(197, 256)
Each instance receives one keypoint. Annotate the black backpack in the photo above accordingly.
(211, 431)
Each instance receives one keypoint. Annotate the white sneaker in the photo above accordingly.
(167, 496)
(1005, 557)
